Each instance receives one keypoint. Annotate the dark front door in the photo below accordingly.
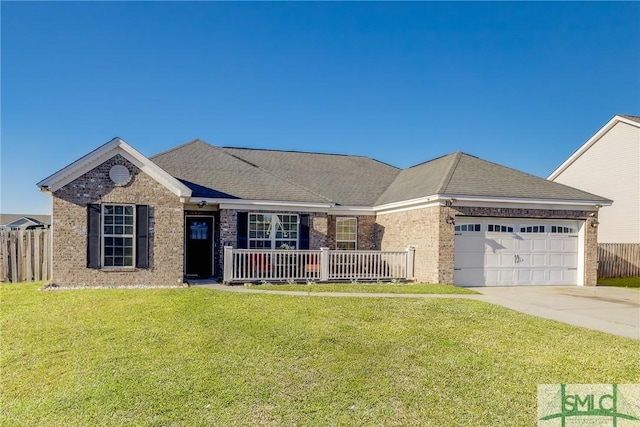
(199, 246)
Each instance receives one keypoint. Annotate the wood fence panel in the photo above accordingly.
(25, 255)
(4, 266)
(618, 260)
(13, 255)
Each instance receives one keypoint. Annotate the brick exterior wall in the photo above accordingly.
(166, 225)
(420, 228)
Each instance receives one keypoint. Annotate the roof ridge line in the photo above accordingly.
(184, 144)
(446, 179)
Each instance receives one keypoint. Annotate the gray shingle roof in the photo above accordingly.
(212, 172)
(255, 174)
(465, 175)
(343, 179)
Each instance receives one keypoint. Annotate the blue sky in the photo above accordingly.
(521, 84)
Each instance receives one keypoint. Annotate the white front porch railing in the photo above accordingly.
(276, 265)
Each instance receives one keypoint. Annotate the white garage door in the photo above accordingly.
(504, 252)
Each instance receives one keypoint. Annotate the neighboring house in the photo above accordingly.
(609, 164)
(123, 218)
(24, 222)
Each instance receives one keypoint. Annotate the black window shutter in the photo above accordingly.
(142, 236)
(242, 224)
(93, 236)
(303, 238)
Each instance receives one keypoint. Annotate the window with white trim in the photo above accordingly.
(497, 228)
(468, 227)
(564, 230)
(273, 231)
(118, 235)
(532, 229)
(347, 233)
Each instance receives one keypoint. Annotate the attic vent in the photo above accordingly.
(119, 174)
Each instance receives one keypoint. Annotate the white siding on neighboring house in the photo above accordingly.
(610, 167)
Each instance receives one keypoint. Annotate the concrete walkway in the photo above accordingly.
(612, 310)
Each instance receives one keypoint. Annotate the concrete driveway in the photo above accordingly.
(612, 310)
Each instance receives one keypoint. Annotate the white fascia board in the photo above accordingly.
(102, 154)
(525, 202)
(272, 205)
(405, 205)
(488, 202)
(595, 138)
(351, 210)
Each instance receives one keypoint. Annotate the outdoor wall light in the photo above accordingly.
(202, 204)
(595, 222)
(450, 220)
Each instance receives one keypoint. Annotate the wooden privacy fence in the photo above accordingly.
(25, 255)
(618, 260)
(315, 265)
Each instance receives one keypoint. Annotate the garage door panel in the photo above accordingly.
(539, 260)
(498, 260)
(513, 258)
(473, 243)
(469, 276)
(496, 245)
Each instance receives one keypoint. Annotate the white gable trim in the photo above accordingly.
(595, 138)
(102, 154)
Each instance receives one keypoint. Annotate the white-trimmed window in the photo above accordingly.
(347, 233)
(118, 235)
(498, 228)
(468, 228)
(533, 229)
(273, 231)
(564, 230)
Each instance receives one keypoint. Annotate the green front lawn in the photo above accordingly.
(386, 288)
(622, 282)
(197, 356)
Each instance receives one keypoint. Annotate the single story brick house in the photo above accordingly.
(121, 218)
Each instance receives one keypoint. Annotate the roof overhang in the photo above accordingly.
(407, 205)
(489, 202)
(105, 152)
(595, 138)
(280, 206)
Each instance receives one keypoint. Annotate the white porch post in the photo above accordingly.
(324, 264)
(410, 258)
(227, 267)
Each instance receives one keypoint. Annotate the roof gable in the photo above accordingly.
(102, 154)
(17, 220)
(629, 120)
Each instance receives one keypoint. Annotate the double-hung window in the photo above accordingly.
(347, 233)
(273, 231)
(118, 236)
